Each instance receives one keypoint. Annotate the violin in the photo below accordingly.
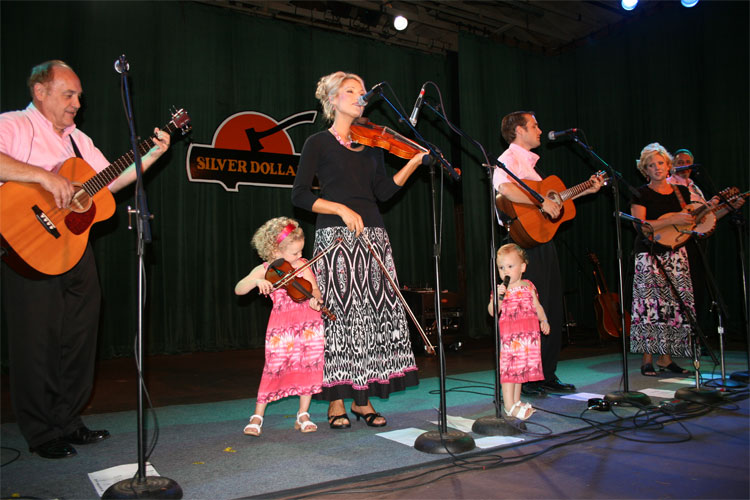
(377, 136)
(281, 274)
(298, 289)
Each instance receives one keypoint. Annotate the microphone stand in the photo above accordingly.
(720, 308)
(140, 486)
(443, 440)
(492, 425)
(740, 225)
(626, 395)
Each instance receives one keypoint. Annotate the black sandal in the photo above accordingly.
(673, 367)
(647, 370)
(332, 419)
(370, 418)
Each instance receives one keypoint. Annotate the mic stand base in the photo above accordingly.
(727, 384)
(148, 487)
(633, 397)
(496, 426)
(741, 376)
(450, 441)
(699, 395)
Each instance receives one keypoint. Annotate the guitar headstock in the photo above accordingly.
(729, 192)
(603, 176)
(181, 120)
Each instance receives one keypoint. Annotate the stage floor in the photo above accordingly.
(201, 445)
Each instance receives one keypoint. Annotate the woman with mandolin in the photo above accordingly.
(662, 287)
(367, 349)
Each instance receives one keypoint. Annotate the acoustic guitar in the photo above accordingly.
(530, 226)
(51, 240)
(676, 235)
(607, 305)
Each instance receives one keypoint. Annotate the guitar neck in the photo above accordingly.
(117, 167)
(576, 190)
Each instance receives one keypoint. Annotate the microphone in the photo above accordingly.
(417, 105)
(697, 234)
(685, 167)
(121, 64)
(506, 280)
(553, 136)
(629, 217)
(362, 101)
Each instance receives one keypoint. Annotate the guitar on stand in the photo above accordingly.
(529, 226)
(52, 240)
(607, 305)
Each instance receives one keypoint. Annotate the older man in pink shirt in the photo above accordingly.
(52, 320)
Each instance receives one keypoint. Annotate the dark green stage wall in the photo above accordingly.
(679, 77)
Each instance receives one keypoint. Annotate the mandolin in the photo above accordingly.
(674, 235)
(607, 305)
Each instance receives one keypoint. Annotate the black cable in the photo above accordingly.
(18, 454)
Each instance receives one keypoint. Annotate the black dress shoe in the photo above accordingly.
(555, 385)
(84, 435)
(57, 448)
(532, 389)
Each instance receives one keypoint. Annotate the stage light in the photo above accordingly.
(689, 3)
(400, 23)
(628, 4)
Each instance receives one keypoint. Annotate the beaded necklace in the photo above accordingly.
(346, 143)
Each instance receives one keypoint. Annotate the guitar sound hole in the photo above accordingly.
(81, 201)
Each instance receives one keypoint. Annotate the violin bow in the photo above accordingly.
(428, 346)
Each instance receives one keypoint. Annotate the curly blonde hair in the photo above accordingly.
(328, 86)
(646, 153)
(266, 238)
(511, 248)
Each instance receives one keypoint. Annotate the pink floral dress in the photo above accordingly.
(294, 350)
(520, 351)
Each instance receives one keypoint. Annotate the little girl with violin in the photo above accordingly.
(521, 319)
(294, 336)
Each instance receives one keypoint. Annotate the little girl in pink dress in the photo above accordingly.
(521, 320)
(294, 336)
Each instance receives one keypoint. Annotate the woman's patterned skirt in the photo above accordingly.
(367, 348)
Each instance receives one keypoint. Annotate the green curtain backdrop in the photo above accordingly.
(679, 77)
(214, 63)
(649, 81)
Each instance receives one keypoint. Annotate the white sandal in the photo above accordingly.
(253, 429)
(518, 408)
(307, 425)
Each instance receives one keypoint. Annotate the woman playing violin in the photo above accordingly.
(367, 348)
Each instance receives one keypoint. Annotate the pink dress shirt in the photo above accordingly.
(520, 161)
(28, 136)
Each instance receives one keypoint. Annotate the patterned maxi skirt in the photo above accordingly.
(367, 348)
(659, 325)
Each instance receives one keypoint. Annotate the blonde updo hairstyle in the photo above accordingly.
(512, 248)
(646, 153)
(266, 238)
(329, 86)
